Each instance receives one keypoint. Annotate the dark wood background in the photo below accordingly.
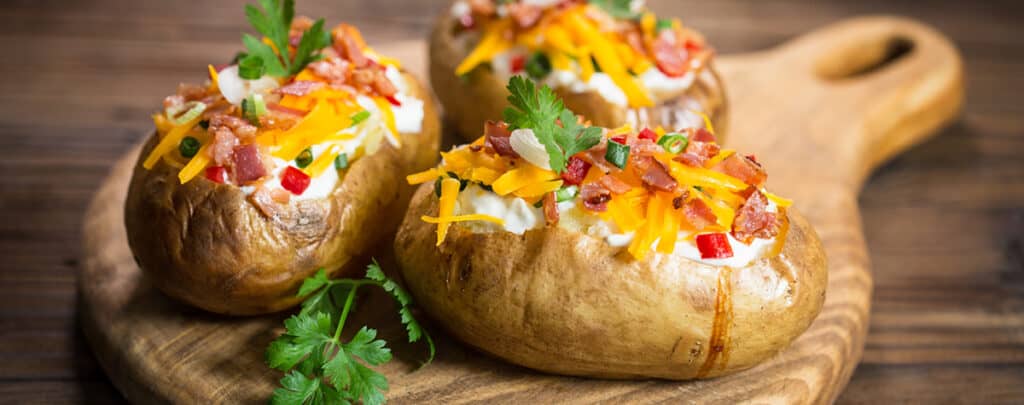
(944, 222)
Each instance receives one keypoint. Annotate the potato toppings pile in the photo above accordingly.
(659, 186)
(618, 38)
(300, 103)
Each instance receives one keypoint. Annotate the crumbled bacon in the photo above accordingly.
(595, 197)
(333, 70)
(497, 137)
(278, 120)
(223, 145)
(483, 7)
(247, 164)
(575, 171)
(698, 214)
(299, 88)
(525, 15)
(700, 135)
(347, 42)
(690, 159)
(753, 219)
(613, 184)
(550, 209)
(743, 168)
(240, 127)
(703, 150)
(299, 25)
(658, 178)
(374, 80)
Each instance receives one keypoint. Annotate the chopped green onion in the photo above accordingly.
(238, 57)
(341, 162)
(538, 66)
(304, 159)
(462, 183)
(188, 147)
(437, 187)
(674, 142)
(359, 117)
(191, 109)
(253, 107)
(250, 67)
(617, 154)
(566, 193)
(663, 24)
(539, 203)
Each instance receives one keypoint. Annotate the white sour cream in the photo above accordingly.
(519, 217)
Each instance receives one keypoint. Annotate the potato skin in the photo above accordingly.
(205, 244)
(563, 302)
(482, 96)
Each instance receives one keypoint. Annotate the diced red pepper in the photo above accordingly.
(575, 171)
(647, 133)
(619, 139)
(518, 63)
(714, 246)
(692, 45)
(216, 174)
(294, 180)
(753, 158)
(394, 101)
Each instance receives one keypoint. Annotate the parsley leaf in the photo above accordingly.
(321, 368)
(617, 8)
(554, 125)
(274, 22)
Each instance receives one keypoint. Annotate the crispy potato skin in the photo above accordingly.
(205, 244)
(482, 96)
(563, 302)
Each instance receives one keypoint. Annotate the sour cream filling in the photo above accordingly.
(659, 86)
(368, 135)
(519, 217)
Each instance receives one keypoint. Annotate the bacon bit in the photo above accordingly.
(239, 127)
(525, 15)
(753, 158)
(333, 70)
(635, 39)
(677, 203)
(700, 135)
(299, 88)
(248, 164)
(613, 184)
(280, 196)
(374, 79)
(595, 197)
(649, 134)
(285, 110)
(742, 168)
(575, 171)
(690, 159)
(191, 92)
(698, 214)
(483, 7)
(643, 147)
(174, 101)
(299, 25)
(754, 221)
(671, 58)
(223, 146)
(658, 178)
(347, 46)
(497, 137)
(216, 174)
(264, 201)
(704, 150)
(518, 63)
(550, 209)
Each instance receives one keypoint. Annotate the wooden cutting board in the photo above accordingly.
(820, 112)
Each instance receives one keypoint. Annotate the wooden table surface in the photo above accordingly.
(944, 222)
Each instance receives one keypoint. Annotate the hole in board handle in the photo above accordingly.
(858, 59)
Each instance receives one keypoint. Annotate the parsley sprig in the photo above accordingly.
(617, 8)
(554, 125)
(274, 22)
(323, 369)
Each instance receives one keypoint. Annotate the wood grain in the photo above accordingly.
(157, 350)
(944, 222)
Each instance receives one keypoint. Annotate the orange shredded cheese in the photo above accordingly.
(169, 142)
(322, 162)
(493, 42)
(214, 77)
(389, 118)
(449, 193)
(195, 165)
(423, 177)
(704, 178)
(463, 218)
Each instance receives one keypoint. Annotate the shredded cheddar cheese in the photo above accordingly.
(463, 218)
(449, 193)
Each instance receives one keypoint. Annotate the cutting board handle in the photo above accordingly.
(878, 85)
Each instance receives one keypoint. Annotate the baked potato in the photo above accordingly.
(613, 67)
(255, 181)
(644, 254)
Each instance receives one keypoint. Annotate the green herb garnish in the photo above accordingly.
(320, 367)
(541, 110)
(663, 24)
(617, 8)
(274, 22)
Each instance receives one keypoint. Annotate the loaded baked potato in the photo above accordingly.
(612, 62)
(608, 253)
(279, 166)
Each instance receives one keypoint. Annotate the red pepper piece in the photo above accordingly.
(647, 133)
(575, 171)
(692, 46)
(394, 101)
(714, 246)
(518, 63)
(216, 174)
(619, 139)
(294, 180)
(753, 158)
